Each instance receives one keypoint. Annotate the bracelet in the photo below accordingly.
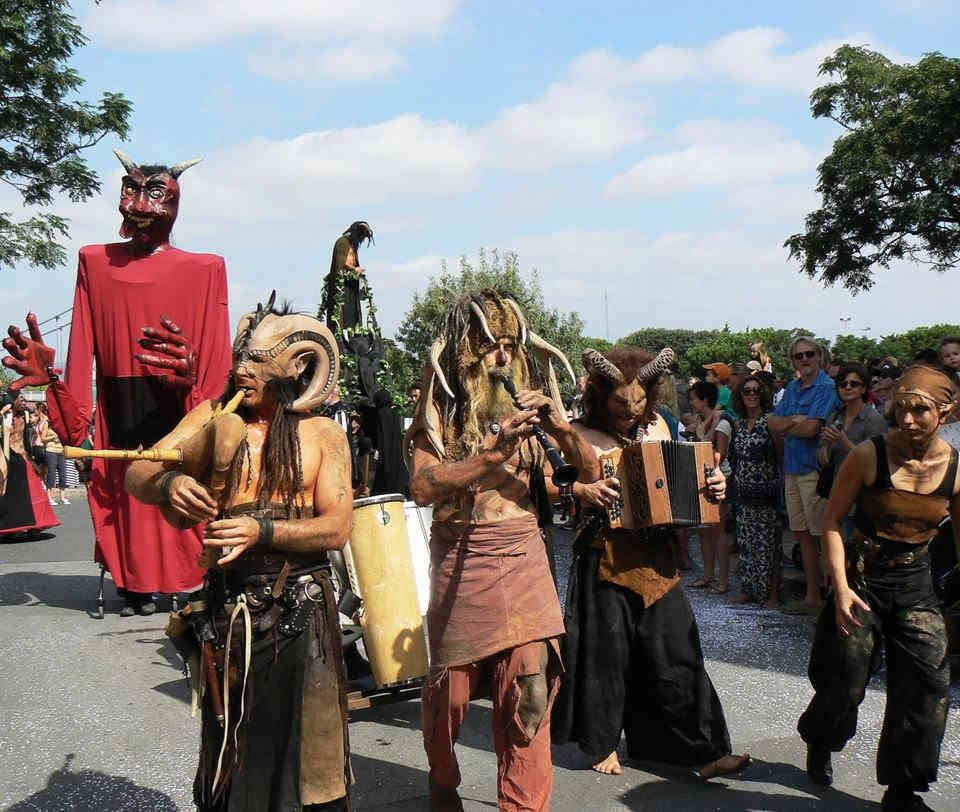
(266, 528)
(166, 482)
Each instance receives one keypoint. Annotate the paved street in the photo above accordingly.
(94, 715)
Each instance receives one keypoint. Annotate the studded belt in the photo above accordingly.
(874, 555)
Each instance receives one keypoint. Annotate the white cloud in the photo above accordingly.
(423, 267)
(716, 154)
(165, 25)
(406, 158)
(352, 62)
(753, 57)
(572, 121)
(709, 277)
(303, 40)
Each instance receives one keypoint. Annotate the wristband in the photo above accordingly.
(265, 520)
(166, 482)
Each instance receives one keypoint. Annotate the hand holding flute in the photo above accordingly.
(563, 473)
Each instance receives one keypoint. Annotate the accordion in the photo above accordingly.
(661, 483)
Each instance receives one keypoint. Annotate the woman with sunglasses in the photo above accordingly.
(903, 484)
(854, 421)
(753, 455)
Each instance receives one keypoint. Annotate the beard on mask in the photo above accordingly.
(488, 400)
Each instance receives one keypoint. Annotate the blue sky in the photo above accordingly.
(662, 152)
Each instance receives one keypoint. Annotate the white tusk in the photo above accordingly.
(483, 321)
(436, 348)
(546, 346)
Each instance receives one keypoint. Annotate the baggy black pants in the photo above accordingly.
(906, 617)
(635, 669)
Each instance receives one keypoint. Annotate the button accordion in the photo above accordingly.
(661, 483)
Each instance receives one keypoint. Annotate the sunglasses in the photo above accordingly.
(750, 390)
(850, 384)
(799, 356)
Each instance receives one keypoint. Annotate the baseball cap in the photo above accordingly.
(721, 370)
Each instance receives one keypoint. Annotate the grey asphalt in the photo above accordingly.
(94, 714)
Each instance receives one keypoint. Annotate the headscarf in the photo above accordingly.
(926, 382)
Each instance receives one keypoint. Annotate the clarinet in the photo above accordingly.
(564, 474)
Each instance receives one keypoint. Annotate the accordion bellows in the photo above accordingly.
(661, 483)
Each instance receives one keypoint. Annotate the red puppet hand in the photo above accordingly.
(30, 358)
(176, 353)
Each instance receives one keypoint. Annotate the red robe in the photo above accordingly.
(117, 294)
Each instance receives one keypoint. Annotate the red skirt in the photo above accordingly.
(25, 505)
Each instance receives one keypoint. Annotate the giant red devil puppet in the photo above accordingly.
(171, 303)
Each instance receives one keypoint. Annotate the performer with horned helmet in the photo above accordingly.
(494, 617)
(274, 482)
(632, 650)
(175, 302)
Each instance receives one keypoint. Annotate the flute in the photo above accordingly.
(564, 474)
(156, 454)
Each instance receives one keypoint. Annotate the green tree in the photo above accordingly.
(43, 127)
(854, 348)
(423, 322)
(891, 185)
(905, 346)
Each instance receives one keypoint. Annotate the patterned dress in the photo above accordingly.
(759, 528)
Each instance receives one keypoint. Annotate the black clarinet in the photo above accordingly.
(564, 474)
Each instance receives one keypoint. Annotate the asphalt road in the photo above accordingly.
(94, 715)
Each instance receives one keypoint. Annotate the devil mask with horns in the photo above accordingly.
(621, 395)
(460, 397)
(149, 199)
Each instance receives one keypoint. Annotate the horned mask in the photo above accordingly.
(597, 365)
(297, 349)
(149, 201)
(483, 318)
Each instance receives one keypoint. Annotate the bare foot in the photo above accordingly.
(725, 766)
(772, 603)
(743, 597)
(609, 766)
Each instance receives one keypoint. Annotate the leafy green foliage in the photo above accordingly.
(694, 348)
(891, 185)
(398, 371)
(423, 322)
(43, 128)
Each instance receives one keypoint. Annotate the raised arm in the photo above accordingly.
(434, 480)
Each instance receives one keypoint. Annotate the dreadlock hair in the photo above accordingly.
(358, 232)
(629, 360)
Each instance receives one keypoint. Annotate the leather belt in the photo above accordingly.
(874, 555)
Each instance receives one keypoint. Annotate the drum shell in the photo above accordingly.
(419, 520)
(381, 569)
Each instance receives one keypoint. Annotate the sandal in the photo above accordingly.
(720, 590)
(702, 583)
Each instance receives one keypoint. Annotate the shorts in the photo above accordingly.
(804, 507)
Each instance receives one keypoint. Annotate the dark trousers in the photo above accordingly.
(638, 670)
(906, 618)
(56, 467)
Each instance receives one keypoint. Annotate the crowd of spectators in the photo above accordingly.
(780, 443)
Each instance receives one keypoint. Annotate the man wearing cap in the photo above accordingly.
(808, 401)
(718, 374)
